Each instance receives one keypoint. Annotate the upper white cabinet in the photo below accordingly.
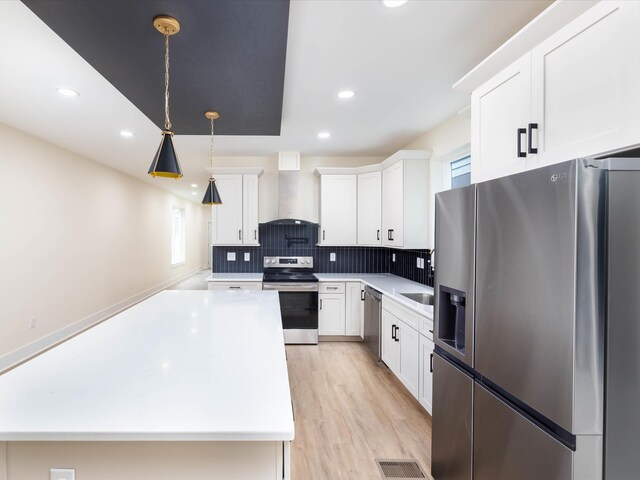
(586, 84)
(235, 222)
(576, 94)
(338, 209)
(500, 111)
(405, 200)
(370, 208)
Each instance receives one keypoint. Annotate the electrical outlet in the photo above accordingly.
(62, 474)
(393, 257)
(332, 257)
(33, 322)
(247, 257)
(231, 256)
(417, 262)
(422, 263)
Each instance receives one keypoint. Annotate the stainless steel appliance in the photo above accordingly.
(297, 289)
(372, 320)
(537, 365)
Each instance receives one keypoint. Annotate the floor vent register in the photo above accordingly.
(400, 470)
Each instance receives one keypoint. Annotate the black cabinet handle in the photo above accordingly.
(320, 304)
(532, 127)
(391, 234)
(521, 131)
(431, 363)
(323, 234)
(362, 295)
(378, 235)
(255, 234)
(397, 339)
(393, 332)
(239, 234)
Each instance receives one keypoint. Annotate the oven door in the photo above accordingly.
(299, 310)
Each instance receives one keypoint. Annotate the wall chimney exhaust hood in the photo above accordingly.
(288, 179)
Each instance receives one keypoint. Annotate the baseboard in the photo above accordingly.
(22, 354)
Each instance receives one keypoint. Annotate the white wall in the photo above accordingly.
(308, 186)
(77, 237)
(447, 141)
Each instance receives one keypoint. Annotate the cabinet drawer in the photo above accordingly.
(328, 287)
(425, 327)
(235, 286)
(405, 314)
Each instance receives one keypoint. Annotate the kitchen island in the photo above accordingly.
(187, 384)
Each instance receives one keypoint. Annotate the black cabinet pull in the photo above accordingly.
(362, 295)
(397, 339)
(323, 234)
(431, 363)
(378, 235)
(239, 234)
(393, 332)
(255, 234)
(521, 131)
(532, 127)
(320, 304)
(391, 234)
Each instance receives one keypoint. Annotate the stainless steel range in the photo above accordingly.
(297, 288)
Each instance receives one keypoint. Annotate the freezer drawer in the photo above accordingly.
(452, 422)
(507, 446)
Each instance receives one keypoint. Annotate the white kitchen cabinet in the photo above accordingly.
(577, 94)
(331, 314)
(390, 343)
(234, 285)
(226, 219)
(405, 200)
(338, 209)
(250, 210)
(500, 112)
(235, 222)
(426, 373)
(408, 373)
(354, 301)
(370, 208)
(585, 84)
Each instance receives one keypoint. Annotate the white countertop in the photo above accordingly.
(234, 277)
(388, 284)
(182, 365)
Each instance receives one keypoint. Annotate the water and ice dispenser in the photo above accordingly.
(451, 318)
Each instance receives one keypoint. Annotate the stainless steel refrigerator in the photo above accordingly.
(537, 325)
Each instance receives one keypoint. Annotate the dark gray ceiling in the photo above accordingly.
(229, 56)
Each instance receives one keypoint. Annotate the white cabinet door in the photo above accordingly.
(250, 210)
(390, 342)
(393, 205)
(226, 220)
(500, 114)
(354, 305)
(338, 209)
(586, 84)
(331, 314)
(370, 208)
(409, 357)
(426, 373)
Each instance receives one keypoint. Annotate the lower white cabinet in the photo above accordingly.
(331, 314)
(235, 286)
(354, 299)
(426, 373)
(390, 343)
(409, 360)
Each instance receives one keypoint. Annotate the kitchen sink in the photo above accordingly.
(423, 298)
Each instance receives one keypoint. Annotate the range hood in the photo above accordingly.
(289, 211)
(291, 221)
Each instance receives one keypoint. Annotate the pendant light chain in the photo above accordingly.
(167, 122)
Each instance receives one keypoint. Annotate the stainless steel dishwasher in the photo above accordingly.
(373, 320)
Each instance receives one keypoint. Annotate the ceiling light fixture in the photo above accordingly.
(194, 185)
(346, 94)
(194, 193)
(165, 163)
(126, 133)
(324, 135)
(67, 92)
(394, 3)
(211, 196)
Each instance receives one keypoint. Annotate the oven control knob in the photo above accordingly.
(268, 260)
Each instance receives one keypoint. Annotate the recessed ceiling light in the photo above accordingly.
(126, 133)
(394, 3)
(324, 135)
(67, 92)
(346, 94)
(194, 193)
(194, 185)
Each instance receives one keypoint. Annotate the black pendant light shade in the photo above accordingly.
(211, 196)
(165, 163)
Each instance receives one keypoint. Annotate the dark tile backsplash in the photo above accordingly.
(301, 240)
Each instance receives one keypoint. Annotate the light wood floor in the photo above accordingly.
(349, 411)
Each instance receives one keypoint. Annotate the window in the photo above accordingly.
(461, 172)
(178, 242)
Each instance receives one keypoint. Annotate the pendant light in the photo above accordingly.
(165, 163)
(211, 196)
